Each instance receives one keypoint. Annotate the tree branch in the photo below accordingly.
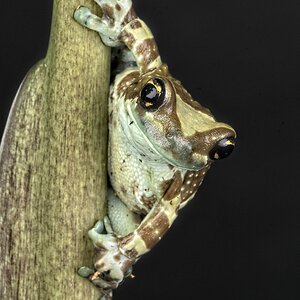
(53, 166)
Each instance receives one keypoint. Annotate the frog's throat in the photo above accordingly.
(166, 158)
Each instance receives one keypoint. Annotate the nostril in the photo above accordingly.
(222, 149)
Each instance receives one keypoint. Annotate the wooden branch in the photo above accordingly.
(53, 166)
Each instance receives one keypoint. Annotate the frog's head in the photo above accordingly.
(176, 127)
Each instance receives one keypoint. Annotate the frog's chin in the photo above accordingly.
(167, 158)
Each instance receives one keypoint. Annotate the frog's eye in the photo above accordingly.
(222, 149)
(153, 94)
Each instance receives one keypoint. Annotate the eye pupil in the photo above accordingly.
(153, 94)
(150, 93)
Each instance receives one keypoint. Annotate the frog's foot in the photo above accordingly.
(94, 277)
(110, 25)
(111, 265)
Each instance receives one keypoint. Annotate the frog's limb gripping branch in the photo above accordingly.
(130, 30)
(155, 223)
(151, 230)
(162, 215)
(53, 166)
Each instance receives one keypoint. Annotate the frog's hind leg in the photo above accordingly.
(123, 221)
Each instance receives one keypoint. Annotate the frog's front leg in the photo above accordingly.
(115, 255)
(151, 230)
(120, 25)
(109, 26)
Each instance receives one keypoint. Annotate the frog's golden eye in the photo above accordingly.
(153, 94)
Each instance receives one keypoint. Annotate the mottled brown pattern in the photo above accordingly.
(129, 17)
(139, 210)
(192, 181)
(117, 257)
(163, 70)
(152, 232)
(182, 147)
(128, 80)
(148, 201)
(173, 139)
(99, 266)
(123, 242)
(131, 253)
(174, 187)
(165, 185)
(127, 38)
(108, 12)
(135, 24)
(203, 141)
(148, 51)
(127, 263)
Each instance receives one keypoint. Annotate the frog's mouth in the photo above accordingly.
(168, 158)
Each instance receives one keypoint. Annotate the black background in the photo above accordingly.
(238, 238)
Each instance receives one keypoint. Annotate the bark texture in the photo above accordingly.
(53, 166)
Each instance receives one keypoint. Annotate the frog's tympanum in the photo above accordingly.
(161, 144)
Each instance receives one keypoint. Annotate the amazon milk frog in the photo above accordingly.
(161, 144)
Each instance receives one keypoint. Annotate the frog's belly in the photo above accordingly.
(136, 181)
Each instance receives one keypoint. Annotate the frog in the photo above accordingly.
(161, 144)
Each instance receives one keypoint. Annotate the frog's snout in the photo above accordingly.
(222, 148)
